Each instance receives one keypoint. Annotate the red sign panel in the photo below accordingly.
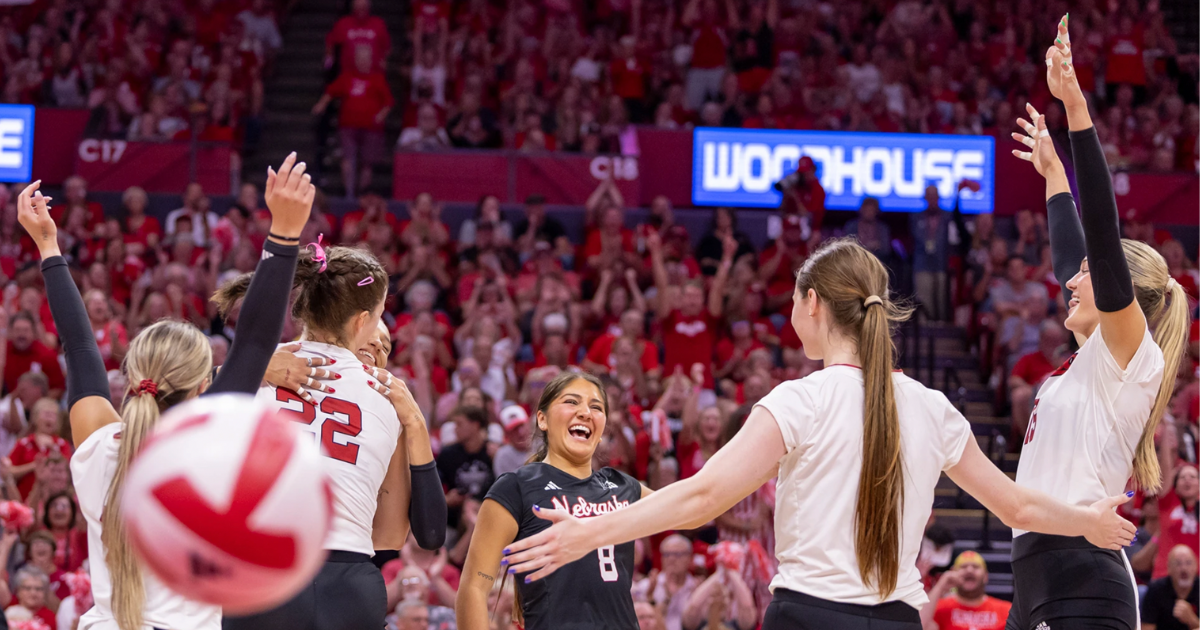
(114, 165)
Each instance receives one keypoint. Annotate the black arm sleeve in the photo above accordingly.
(260, 322)
(427, 507)
(86, 375)
(1111, 282)
(1067, 245)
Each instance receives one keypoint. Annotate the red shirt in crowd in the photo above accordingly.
(601, 352)
(1032, 368)
(70, 550)
(37, 358)
(28, 450)
(991, 614)
(708, 47)
(113, 331)
(628, 77)
(1177, 526)
(1125, 64)
(364, 96)
(351, 32)
(688, 340)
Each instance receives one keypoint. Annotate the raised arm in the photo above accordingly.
(1024, 508)
(1122, 323)
(1067, 245)
(662, 308)
(87, 380)
(289, 196)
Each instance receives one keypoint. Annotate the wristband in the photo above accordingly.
(283, 238)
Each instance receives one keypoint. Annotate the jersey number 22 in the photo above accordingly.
(330, 407)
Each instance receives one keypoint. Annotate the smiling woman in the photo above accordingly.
(592, 592)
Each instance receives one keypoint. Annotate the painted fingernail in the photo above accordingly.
(1129, 494)
(512, 571)
(1064, 65)
(504, 562)
(1058, 40)
(337, 377)
(537, 509)
(332, 361)
(332, 390)
(506, 551)
(370, 383)
(366, 369)
(528, 580)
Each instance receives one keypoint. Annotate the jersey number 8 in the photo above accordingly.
(331, 407)
(608, 564)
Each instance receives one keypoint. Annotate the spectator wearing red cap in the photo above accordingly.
(1033, 368)
(958, 601)
(803, 195)
(518, 440)
(360, 28)
(366, 100)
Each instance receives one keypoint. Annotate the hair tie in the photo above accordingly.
(874, 299)
(1172, 284)
(147, 386)
(319, 253)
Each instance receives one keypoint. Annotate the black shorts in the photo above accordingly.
(796, 611)
(347, 594)
(1068, 583)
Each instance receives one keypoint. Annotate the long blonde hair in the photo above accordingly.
(176, 357)
(844, 274)
(1165, 305)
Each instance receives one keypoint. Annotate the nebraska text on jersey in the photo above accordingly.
(583, 509)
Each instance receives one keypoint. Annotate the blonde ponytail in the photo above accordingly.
(176, 358)
(853, 285)
(1165, 306)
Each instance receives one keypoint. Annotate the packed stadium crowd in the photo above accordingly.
(687, 331)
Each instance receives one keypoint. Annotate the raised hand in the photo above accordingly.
(289, 195)
(1037, 138)
(33, 212)
(1060, 69)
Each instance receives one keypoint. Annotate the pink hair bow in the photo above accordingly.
(319, 253)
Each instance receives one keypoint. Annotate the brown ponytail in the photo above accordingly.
(353, 281)
(853, 285)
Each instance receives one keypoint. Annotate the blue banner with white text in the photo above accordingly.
(740, 167)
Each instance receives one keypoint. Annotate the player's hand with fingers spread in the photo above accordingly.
(396, 391)
(33, 212)
(1106, 528)
(289, 195)
(544, 553)
(1037, 138)
(299, 374)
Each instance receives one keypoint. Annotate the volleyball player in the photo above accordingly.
(167, 363)
(858, 450)
(339, 299)
(593, 592)
(1093, 423)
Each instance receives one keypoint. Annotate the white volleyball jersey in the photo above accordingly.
(1086, 423)
(357, 430)
(92, 468)
(821, 419)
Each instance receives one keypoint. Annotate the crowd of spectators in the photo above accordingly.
(574, 76)
(147, 69)
(687, 333)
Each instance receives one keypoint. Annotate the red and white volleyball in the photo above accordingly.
(228, 503)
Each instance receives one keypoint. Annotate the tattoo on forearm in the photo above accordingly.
(45, 234)
(485, 576)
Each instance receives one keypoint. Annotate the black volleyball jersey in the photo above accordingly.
(594, 591)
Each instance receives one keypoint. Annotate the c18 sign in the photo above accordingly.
(739, 167)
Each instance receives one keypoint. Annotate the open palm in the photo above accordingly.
(1037, 138)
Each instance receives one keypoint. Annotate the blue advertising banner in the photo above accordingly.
(16, 143)
(739, 167)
